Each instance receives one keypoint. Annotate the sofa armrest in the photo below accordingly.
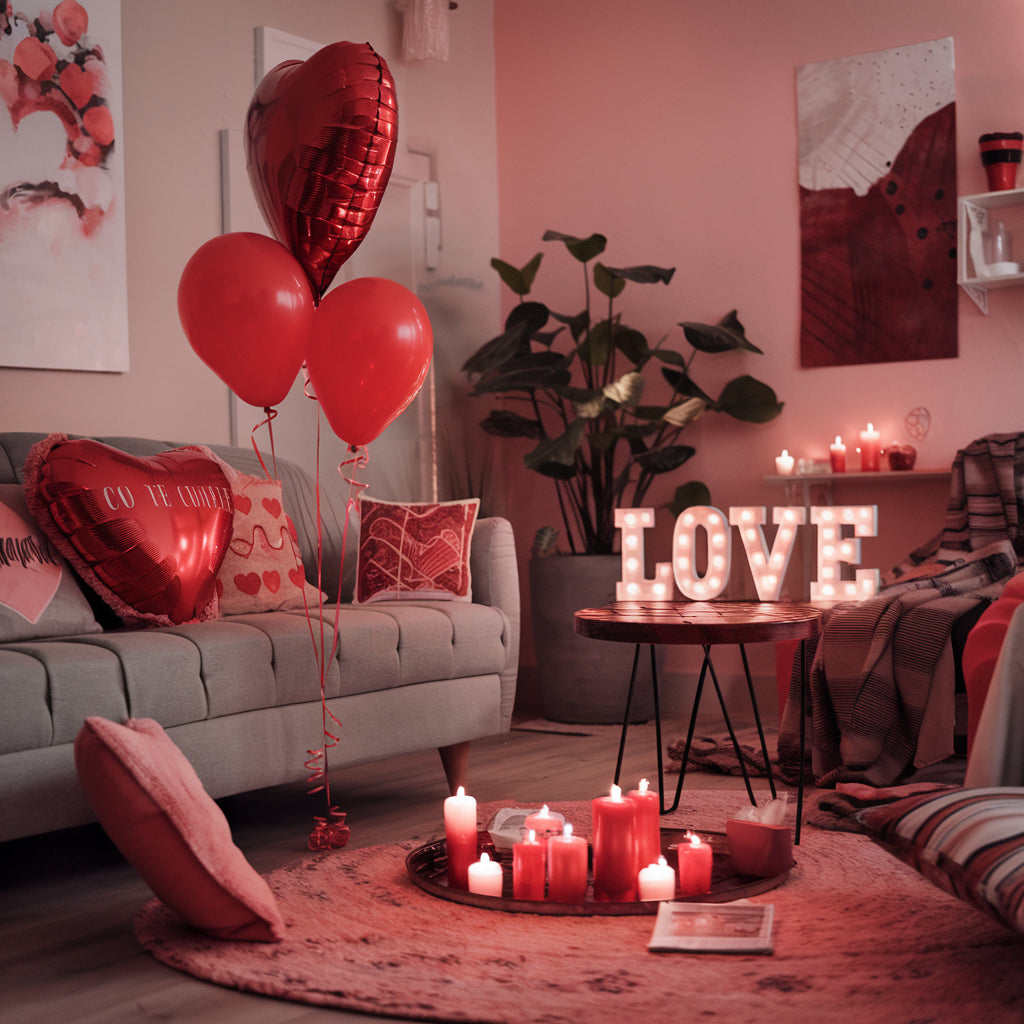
(495, 572)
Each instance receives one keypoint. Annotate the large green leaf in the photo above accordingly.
(529, 373)
(519, 279)
(606, 283)
(556, 457)
(583, 249)
(664, 460)
(577, 324)
(725, 336)
(746, 398)
(632, 344)
(689, 494)
(645, 274)
(597, 346)
(527, 316)
(683, 384)
(503, 423)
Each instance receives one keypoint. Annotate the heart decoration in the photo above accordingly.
(147, 534)
(320, 142)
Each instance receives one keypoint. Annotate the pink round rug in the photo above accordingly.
(859, 936)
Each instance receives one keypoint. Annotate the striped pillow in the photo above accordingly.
(969, 842)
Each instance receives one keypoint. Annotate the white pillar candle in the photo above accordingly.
(784, 463)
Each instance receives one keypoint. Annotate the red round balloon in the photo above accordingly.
(247, 310)
(320, 142)
(148, 534)
(369, 355)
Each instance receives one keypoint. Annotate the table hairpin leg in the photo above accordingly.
(728, 725)
(689, 738)
(657, 719)
(757, 721)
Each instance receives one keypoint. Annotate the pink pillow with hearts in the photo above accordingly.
(153, 806)
(415, 550)
(262, 569)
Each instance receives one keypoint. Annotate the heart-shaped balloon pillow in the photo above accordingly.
(320, 140)
(147, 534)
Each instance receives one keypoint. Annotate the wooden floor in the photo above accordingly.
(67, 951)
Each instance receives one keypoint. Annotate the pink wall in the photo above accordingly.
(670, 126)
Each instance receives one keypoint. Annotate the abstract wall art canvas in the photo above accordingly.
(878, 207)
(63, 285)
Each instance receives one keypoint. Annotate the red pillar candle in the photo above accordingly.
(567, 867)
(694, 866)
(528, 868)
(647, 815)
(461, 837)
(615, 865)
(870, 449)
(837, 455)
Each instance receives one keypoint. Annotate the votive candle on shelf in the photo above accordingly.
(485, 876)
(657, 881)
(567, 867)
(528, 868)
(647, 817)
(461, 837)
(837, 455)
(870, 449)
(784, 463)
(694, 866)
(615, 866)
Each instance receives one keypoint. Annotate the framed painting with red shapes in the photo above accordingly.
(63, 267)
(878, 207)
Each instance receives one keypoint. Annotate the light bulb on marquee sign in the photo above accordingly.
(767, 566)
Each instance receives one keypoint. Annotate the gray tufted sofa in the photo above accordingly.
(241, 695)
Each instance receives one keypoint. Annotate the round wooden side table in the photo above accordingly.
(704, 624)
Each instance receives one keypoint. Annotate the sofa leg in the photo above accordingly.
(456, 763)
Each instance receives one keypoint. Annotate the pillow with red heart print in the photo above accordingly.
(147, 534)
(415, 550)
(39, 594)
(262, 569)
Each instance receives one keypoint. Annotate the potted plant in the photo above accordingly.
(578, 381)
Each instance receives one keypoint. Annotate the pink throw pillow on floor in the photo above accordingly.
(153, 806)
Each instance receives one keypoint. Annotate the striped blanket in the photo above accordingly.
(882, 680)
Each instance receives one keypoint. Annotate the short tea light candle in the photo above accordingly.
(647, 819)
(567, 867)
(870, 449)
(837, 455)
(485, 876)
(694, 866)
(784, 463)
(460, 836)
(615, 866)
(544, 823)
(528, 868)
(657, 881)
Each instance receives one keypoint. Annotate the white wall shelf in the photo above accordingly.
(972, 221)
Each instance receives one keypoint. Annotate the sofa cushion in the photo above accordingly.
(152, 805)
(262, 569)
(414, 550)
(969, 842)
(39, 593)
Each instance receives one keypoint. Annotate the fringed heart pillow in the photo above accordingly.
(415, 551)
(262, 569)
(146, 534)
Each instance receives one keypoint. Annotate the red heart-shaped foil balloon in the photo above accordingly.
(147, 534)
(320, 138)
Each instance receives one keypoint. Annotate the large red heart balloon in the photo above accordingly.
(369, 356)
(247, 310)
(147, 534)
(320, 138)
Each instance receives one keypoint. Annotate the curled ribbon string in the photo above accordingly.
(269, 422)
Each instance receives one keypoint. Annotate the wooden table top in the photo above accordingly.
(700, 622)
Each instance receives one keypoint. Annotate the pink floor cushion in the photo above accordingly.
(149, 799)
(415, 551)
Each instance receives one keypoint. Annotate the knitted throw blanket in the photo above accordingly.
(882, 680)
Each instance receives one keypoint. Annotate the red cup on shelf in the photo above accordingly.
(1001, 158)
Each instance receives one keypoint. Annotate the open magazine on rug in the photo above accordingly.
(738, 927)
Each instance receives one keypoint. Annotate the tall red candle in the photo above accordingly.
(460, 837)
(694, 866)
(528, 868)
(647, 816)
(567, 867)
(615, 864)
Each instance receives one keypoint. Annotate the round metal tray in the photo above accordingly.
(428, 868)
